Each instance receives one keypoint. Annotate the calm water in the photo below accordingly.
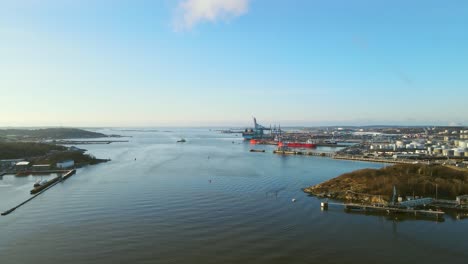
(207, 201)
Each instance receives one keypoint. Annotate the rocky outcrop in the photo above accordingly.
(376, 185)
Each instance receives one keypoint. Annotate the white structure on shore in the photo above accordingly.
(65, 164)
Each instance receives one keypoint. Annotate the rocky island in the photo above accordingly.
(411, 180)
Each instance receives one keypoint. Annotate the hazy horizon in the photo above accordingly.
(218, 62)
(235, 126)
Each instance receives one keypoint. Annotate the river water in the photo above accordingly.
(208, 200)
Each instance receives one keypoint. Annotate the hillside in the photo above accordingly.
(41, 153)
(79, 158)
(47, 133)
(376, 185)
(18, 150)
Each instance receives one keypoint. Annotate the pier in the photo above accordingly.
(42, 190)
(384, 209)
(53, 181)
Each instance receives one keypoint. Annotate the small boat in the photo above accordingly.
(257, 150)
(293, 200)
(182, 140)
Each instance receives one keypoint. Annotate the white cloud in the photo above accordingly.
(192, 12)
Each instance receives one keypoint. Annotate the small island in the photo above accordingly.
(412, 181)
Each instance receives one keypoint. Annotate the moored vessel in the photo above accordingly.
(308, 144)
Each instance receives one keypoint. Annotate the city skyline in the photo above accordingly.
(218, 62)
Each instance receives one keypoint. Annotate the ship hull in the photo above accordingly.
(297, 145)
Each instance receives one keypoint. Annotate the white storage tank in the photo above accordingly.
(463, 144)
(399, 144)
(65, 164)
(437, 151)
(447, 152)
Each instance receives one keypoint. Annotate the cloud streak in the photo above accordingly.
(192, 12)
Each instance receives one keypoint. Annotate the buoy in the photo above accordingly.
(324, 205)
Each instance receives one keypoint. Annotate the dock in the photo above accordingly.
(343, 157)
(26, 173)
(385, 209)
(42, 190)
(332, 145)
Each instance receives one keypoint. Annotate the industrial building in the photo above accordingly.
(22, 165)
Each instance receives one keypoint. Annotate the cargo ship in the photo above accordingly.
(263, 142)
(308, 144)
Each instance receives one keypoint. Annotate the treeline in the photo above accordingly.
(79, 158)
(49, 133)
(18, 150)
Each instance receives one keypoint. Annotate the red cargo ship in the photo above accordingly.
(308, 144)
(262, 142)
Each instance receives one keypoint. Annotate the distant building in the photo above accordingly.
(462, 199)
(22, 165)
(65, 164)
(10, 162)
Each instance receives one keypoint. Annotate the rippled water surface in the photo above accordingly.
(208, 200)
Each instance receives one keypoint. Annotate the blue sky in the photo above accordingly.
(218, 62)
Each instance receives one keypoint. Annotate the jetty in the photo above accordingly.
(41, 189)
